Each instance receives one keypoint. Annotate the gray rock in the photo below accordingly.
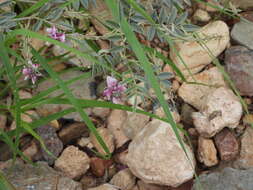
(39, 177)
(51, 141)
(239, 65)
(227, 179)
(80, 89)
(242, 34)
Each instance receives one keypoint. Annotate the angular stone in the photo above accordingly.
(245, 159)
(99, 166)
(105, 186)
(221, 109)
(51, 141)
(79, 88)
(239, 65)
(114, 123)
(227, 179)
(193, 54)
(106, 136)
(124, 179)
(207, 153)
(134, 123)
(72, 132)
(39, 177)
(226, 144)
(241, 33)
(148, 156)
(195, 94)
(73, 162)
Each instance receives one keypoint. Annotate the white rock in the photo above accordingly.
(201, 16)
(73, 162)
(114, 123)
(195, 94)
(104, 187)
(134, 123)
(215, 36)
(207, 152)
(222, 109)
(124, 179)
(108, 138)
(155, 156)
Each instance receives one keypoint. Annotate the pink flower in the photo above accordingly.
(30, 71)
(114, 90)
(56, 35)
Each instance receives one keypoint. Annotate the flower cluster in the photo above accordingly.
(30, 71)
(114, 90)
(53, 33)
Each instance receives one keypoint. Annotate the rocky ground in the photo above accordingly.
(146, 152)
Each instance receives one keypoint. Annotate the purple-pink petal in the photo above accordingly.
(111, 82)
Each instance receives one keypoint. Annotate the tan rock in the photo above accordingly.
(101, 112)
(72, 132)
(105, 186)
(31, 151)
(145, 186)
(195, 94)
(24, 94)
(101, 12)
(28, 117)
(248, 119)
(245, 159)
(134, 123)
(124, 179)
(88, 181)
(83, 141)
(108, 138)
(222, 109)
(159, 112)
(73, 162)
(207, 152)
(215, 35)
(114, 123)
(148, 156)
(201, 16)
